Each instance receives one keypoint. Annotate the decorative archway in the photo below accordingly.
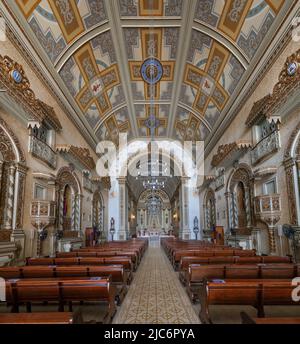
(12, 180)
(68, 194)
(240, 200)
(209, 208)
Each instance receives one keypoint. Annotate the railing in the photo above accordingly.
(268, 208)
(267, 204)
(42, 213)
(40, 150)
(265, 147)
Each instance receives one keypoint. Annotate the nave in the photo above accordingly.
(156, 295)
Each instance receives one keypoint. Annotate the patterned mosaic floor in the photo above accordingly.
(156, 295)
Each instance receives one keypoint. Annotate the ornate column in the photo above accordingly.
(78, 201)
(1, 169)
(229, 201)
(8, 212)
(247, 206)
(73, 212)
(185, 230)
(18, 235)
(61, 209)
(122, 209)
(291, 177)
(146, 219)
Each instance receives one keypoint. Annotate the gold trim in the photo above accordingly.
(72, 29)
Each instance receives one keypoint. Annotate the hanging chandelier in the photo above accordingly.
(153, 184)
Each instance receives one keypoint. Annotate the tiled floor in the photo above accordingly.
(156, 295)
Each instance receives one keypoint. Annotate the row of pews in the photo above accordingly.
(67, 285)
(220, 275)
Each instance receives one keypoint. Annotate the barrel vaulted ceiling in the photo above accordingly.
(95, 50)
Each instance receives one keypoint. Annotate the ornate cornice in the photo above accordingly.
(106, 182)
(258, 110)
(50, 115)
(288, 82)
(79, 153)
(14, 79)
(227, 150)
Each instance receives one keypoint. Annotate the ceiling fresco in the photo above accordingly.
(136, 77)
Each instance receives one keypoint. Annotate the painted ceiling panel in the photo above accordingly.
(134, 8)
(103, 68)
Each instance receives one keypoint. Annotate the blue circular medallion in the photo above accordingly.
(292, 68)
(17, 77)
(152, 122)
(151, 71)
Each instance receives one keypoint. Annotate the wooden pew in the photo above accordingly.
(186, 261)
(86, 261)
(210, 253)
(101, 254)
(118, 275)
(246, 319)
(256, 293)
(63, 292)
(196, 274)
(52, 318)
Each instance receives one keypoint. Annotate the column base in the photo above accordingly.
(185, 235)
(18, 237)
(122, 235)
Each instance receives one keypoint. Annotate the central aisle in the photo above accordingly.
(156, 295)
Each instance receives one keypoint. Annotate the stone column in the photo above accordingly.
(73, 212)
(9, 209)
(291, 182)
(1, 169)
(247, 206)
(185, 230)
(272, 240)
(229, 202)
(61, 208)
(121, 231)
(18, 234)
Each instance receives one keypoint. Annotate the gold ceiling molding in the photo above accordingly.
(228, 150)
(14, 79)
(288, 82)
(258, 110)
(79, 153)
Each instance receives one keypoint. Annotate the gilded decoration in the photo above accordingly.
(14, 79)
(79, 153)
(227, 150)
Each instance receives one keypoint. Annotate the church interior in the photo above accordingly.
(150, 162)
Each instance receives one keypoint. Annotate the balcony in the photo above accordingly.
(40, 150)
(265, 147)
(42, 213)
(268, 208)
